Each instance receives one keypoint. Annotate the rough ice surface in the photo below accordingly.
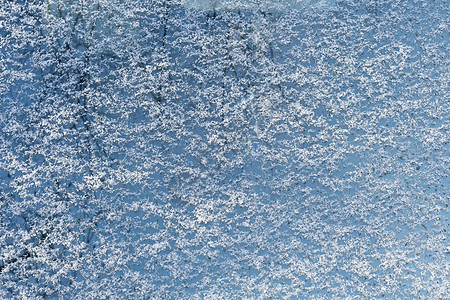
(160, 150)
(262, 5)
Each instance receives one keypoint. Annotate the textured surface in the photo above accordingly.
(150, 150)
(264, 5)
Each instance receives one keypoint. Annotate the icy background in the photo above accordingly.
(161, 150)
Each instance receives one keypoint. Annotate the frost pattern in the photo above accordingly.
(153, 150)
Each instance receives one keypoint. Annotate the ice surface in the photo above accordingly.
(264, 5)
(152, 150)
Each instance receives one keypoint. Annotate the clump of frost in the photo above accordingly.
(263, 5)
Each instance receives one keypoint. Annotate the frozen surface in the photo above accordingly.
(170, 150)
(263, 5)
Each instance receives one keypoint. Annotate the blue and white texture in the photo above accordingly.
(166, 149)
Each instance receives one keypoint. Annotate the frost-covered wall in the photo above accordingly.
(153, 150)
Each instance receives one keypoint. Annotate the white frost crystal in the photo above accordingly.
(264, 5)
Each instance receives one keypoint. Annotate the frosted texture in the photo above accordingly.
(264, 5)
(157, 150)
